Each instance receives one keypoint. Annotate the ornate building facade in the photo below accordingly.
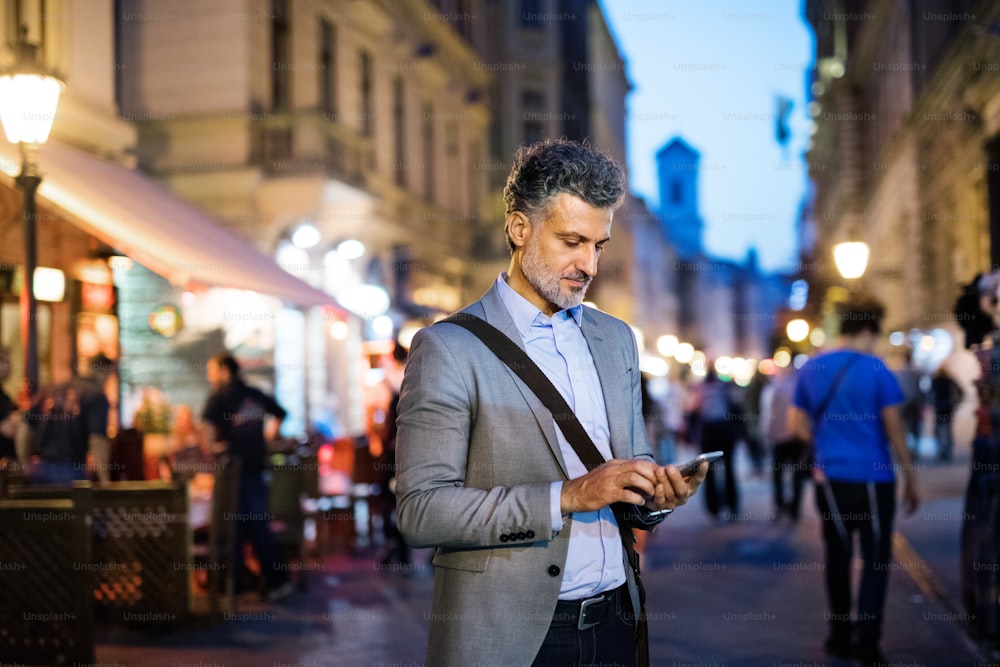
(906, 106)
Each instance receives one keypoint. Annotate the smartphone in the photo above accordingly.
(689, 468)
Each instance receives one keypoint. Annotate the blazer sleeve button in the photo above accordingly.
(554, 570)
(504, 538)
(522, 536)
(530, 534)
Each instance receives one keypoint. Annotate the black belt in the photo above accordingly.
(588, 612)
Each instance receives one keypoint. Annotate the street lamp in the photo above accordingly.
(851, 258)
(28, 99)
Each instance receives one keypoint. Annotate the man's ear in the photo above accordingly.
(518, 228)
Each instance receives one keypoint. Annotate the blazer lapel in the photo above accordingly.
(609, 371)
(496, 314)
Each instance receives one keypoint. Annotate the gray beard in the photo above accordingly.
(546, 283)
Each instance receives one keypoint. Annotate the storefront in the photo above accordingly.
(160, 286)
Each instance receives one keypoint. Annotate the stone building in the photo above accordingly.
(723, 307)
(906, 106)
(557, 72)
(194, 141)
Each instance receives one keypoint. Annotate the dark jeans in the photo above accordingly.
(720, 436)
(847, 508)
(56, 472)
(943, 434)
(789, 468)
(252, 526)
(980, 549)
(611, 642)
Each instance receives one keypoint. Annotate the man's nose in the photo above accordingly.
(588, 262)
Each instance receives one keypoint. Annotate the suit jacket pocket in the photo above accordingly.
(471, 560)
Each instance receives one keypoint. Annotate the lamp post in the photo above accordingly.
(28, 99)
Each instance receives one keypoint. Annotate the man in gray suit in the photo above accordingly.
(529, 562)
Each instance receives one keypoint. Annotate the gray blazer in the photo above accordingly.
(476, 454)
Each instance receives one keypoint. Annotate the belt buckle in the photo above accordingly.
(582, 623)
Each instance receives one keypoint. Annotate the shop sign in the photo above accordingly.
(97, 298)
(166, 321)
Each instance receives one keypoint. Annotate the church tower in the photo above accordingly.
(677, 166)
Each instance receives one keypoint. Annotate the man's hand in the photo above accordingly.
(616, 481)
(673, 489)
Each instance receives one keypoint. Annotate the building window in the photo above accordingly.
(428, 166)
(676, 192)
(280, 52)
(534, 131)
(992, 150)
(533, 100)
(464, 20)
(532, 14)
(119, 57)
(328, 68)
(474, 179)
(399, 131)
(366, 93)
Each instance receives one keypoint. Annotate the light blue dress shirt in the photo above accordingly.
(594, 563)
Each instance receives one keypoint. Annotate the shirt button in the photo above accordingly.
(554, 570)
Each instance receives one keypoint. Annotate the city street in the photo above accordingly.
(742, 593)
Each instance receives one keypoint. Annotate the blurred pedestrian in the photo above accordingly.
(720, 419)
(847, 402)
(9, 414)
(193, 454)
(652, 414)
(396, 548)
(978, 313)
(789, 465)
(65, 422)
(912, 407)
(946, 395)
(239, 420)
(673, 418)
(752, 433)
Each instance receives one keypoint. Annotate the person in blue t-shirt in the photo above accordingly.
(847, 403)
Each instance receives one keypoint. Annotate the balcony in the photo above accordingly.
(311, 144)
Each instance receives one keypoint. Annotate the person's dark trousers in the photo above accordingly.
(847, 508)
(943, 434)
(755, 447)
(610, 642)
(253, 526)
(720, 436)
(789, 466)
(980, 551)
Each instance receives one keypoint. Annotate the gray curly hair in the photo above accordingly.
(551, 167)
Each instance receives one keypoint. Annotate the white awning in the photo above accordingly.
(139, 217)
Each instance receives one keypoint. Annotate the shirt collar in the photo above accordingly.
(524, 313)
